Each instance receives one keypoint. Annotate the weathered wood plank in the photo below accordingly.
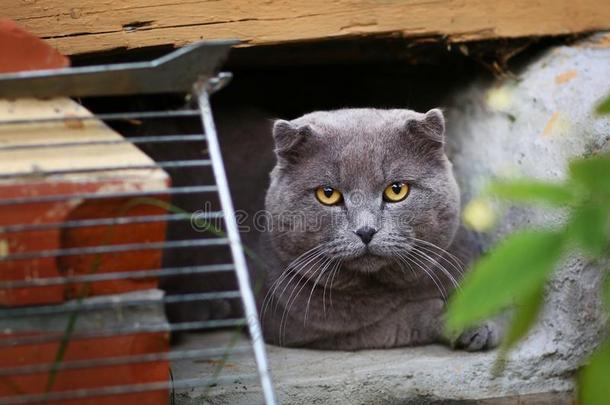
(69, 130)
(92, 25)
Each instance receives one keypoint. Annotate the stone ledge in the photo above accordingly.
(430, 374)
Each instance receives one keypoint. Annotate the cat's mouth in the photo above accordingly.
(374, 257)
(367, 261)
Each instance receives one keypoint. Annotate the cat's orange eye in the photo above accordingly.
(328, 195)
(396, 192)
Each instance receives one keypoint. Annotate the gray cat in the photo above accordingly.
(363, 243)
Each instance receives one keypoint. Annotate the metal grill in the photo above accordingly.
(80, 314)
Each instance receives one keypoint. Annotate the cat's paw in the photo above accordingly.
(483, 337)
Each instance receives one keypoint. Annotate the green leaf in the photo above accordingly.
(593, 387)
(533, 191)
(589, 227)
(511, 272)
(526, 313)
(603, 107)
(594, 173)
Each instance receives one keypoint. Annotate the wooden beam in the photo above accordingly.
(79, 26)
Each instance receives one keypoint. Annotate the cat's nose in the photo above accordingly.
(366, 233)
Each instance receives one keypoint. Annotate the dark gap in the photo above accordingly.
(137, 25)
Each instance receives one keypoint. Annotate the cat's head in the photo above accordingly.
(364, 186)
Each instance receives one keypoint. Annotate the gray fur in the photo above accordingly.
(348, 295)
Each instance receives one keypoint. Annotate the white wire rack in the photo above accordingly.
(192, 71)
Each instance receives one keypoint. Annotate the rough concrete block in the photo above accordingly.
(532, 127)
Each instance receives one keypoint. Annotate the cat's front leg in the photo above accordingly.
(483, 337)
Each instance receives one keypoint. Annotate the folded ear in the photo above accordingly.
(430, 127)
(290, 139)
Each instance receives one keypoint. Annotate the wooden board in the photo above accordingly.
(32, 161)
(90, 25)
(28, 166)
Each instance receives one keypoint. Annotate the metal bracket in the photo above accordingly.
(172, 73)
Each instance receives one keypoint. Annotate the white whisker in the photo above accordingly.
(431, 275)
(289, 270)
(441, 256)
(297, 271)
(454, 258)
(312, 269)
(331, 274)
(313, 287)
(435, 263)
